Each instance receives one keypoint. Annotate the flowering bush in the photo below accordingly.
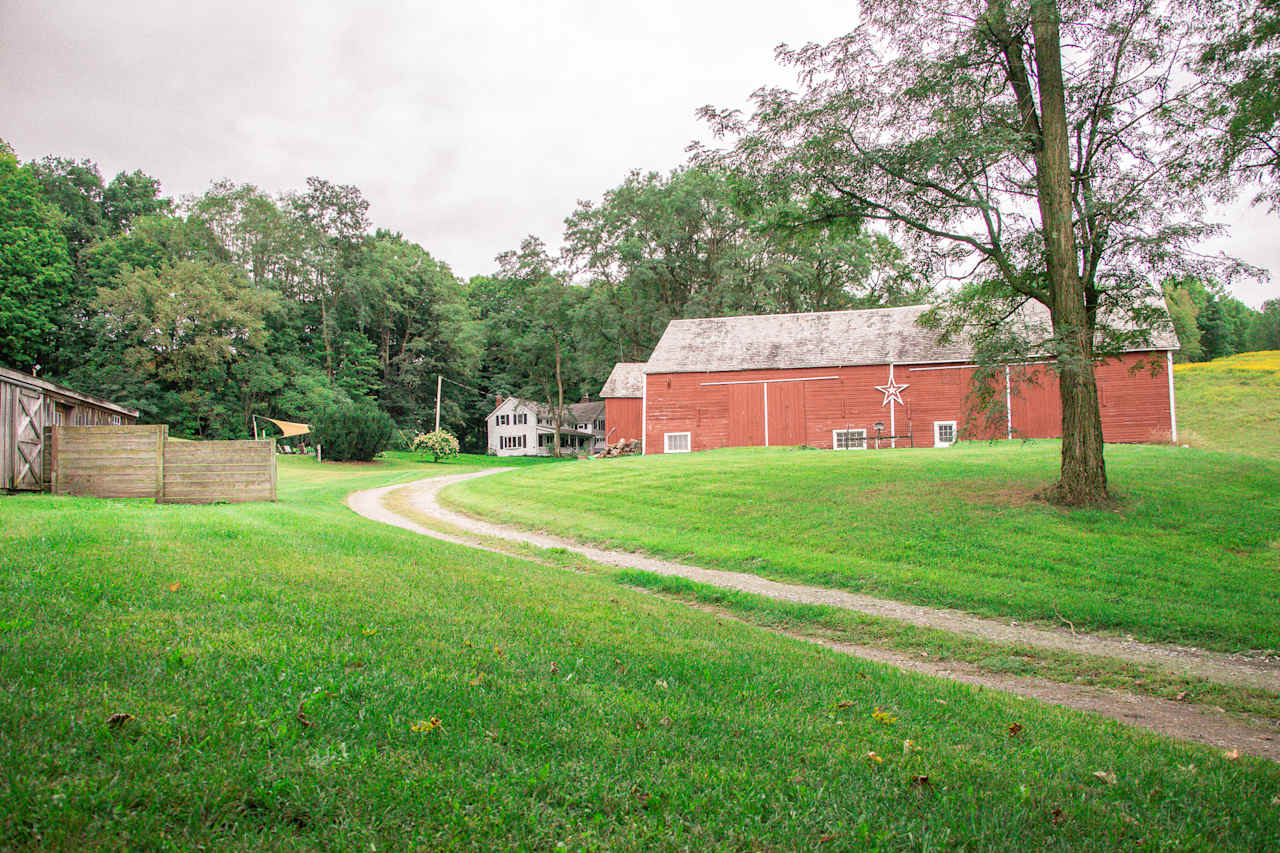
(440, 444)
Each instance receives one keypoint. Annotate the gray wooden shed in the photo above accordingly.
(29, 406)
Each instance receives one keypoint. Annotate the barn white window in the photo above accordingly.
(849, 439)
(675, 442)
(944, 433)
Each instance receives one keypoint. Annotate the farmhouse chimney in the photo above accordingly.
(498, 401)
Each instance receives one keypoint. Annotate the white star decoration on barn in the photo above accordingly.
(893, 392)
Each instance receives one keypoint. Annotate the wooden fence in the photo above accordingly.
(143, 462)
(201, 472)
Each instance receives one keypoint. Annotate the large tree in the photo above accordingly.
(35, 268)
(1021, 146)
(1241, 63)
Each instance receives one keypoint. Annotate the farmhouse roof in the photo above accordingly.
(820, 339)
(19, 378)
(625, 380)
(586, 412)
(576, 412)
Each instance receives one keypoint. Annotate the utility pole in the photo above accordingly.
(439, 380)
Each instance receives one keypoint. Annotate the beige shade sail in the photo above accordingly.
(289, 427)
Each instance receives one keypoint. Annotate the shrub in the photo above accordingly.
(440, 444)
(352, 432)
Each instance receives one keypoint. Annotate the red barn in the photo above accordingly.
(854, 379)
(623, 392)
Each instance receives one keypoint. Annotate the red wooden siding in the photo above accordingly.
(622, 418)
(1135, 404)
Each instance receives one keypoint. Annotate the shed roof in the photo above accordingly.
(819, 339)
(19, 378)
(625, 380)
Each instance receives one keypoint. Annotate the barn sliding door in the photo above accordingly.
(786, 414)
(29, 439)
(746, 415)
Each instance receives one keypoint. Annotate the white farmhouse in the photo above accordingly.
(526, 428)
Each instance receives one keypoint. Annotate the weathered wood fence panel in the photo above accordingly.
(209, 471)
(143, 462)
(107, 461)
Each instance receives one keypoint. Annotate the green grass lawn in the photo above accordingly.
(283, 664)
(1231, 403)
(1192, 555)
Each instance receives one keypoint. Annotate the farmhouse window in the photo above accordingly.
(944, 433)
(522, 418)
(675, 442)
(849, 439)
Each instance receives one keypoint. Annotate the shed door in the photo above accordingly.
(786, 414)
(746, 415)
(29, 435)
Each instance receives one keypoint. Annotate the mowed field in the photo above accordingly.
(1231, 403)
(298, 677)
(1190, 555)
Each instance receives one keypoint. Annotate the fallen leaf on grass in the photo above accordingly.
(1014, 728)
(919, 783)
(368, 630)
(115, 721)
(1056, 817)
(303, 718)
(909, 746)
(1231, 754)
(665, 722)
(661, 684)
(175, 586)
(846, 703)
(880, 715)
(426, 726)
(1275, 801)
(555, 670)
(871, 756)
(1181, 696)
(827, 839)
(1106, 776)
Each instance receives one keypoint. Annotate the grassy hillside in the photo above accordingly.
(1191, 555)
(1231, 403)
(285, 666)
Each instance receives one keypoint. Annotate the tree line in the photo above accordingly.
(204, 311)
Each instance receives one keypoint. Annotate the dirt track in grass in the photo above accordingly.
(1255, 736)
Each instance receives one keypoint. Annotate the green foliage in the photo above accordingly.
(35, 269)
(1240, 64)
(1264, 334)
(1183, 312)
(439, 444)
(352, 432)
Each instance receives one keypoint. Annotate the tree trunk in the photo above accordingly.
(559, 398)
(1082, 479)
(324, 335)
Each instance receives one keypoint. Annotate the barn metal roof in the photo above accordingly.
(819, 339)
(625, 380)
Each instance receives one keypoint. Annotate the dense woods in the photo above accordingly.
(203, 311)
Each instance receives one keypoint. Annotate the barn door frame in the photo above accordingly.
(28, 440)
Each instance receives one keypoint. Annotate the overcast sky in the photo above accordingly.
(466, 125)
